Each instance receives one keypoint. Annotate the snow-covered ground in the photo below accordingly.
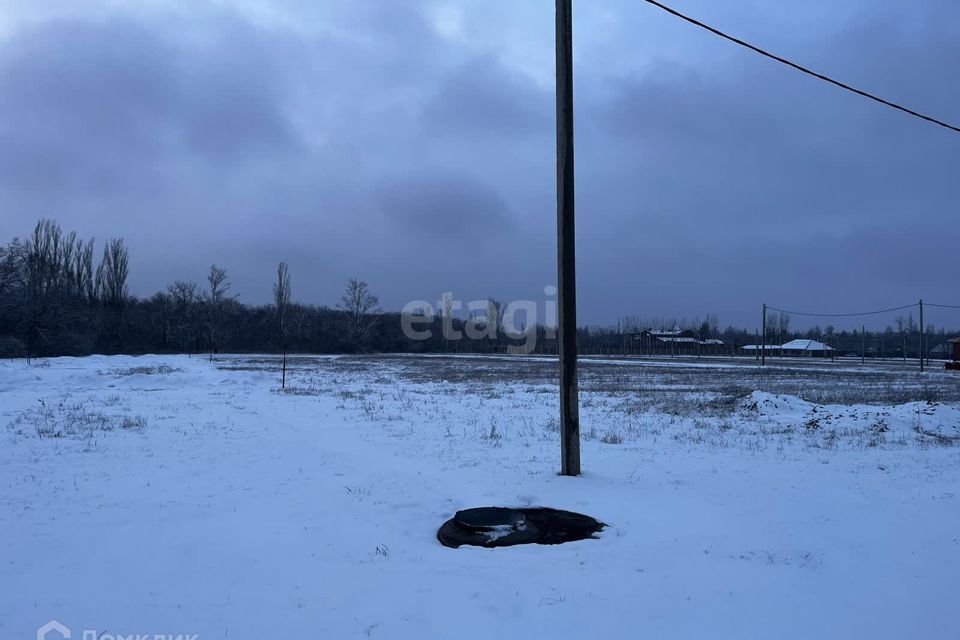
(169, 495)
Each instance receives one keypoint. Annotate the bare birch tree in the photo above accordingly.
(281, 298)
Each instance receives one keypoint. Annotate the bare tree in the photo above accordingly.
(301, 319)
(281, 298)
(12, 261)
(496, 318)
(778, 327)
(447, 319)
(219, 284)
(84, 284)
(183, 298)
(631, 324)
(783, 325)
(42, 259)
(112, 274)
(54, 284)
(361, 308)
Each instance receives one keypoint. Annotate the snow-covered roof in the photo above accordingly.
(806, 345)
(756, 347)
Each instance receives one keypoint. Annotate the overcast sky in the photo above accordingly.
(411, 144)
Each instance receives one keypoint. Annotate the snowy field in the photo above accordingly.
(171, 495)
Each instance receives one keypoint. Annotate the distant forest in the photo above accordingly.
(57, 298)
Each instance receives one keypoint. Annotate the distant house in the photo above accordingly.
(670, 335)
(810, 348)
(943, 351)
(675, 342)
(752, 349)
(955, 363)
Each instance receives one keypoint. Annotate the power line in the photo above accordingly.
(800, 67)
(942, 306)
(844, 315)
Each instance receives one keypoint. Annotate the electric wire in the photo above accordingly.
(845, 315)
(801, 68)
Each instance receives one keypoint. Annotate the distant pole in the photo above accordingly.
(757, 342)
(566, 242)
(921, 335)
(763, 342)
(863, 345)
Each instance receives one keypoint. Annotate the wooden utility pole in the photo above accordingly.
(566, 242)
(763, 343)
(863, 345)
(921, 335)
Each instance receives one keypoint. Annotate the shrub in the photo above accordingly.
(11, 347)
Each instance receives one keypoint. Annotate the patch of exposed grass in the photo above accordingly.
(153, 370)
(71, 419)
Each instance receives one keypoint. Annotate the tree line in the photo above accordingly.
(58, 298)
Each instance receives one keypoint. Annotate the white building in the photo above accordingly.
(806, 348)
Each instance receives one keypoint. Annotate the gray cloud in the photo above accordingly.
(106, 105)
(481, 97)
(447, 207)
(356, 138)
